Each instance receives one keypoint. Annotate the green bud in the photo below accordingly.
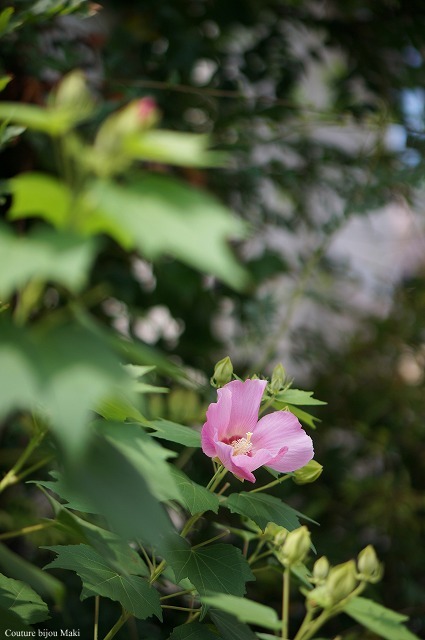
(341, 581)
(319, 597)
(73, 94)
(308, 473)
(272, 530)
(278, 379)
(223, 372)
(368, 565)
(295, 546)
(320, 570)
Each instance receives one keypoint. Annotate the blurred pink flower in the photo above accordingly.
(243, 443)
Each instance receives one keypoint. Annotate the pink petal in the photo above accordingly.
(280, 430)
(232, 463)
(257, 460)
(246, 399)
(218, 415)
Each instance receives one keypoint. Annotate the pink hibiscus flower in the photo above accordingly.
(234, 435)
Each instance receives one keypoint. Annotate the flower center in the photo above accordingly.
(242, 446)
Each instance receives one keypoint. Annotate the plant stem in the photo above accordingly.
(26, 530)
(217, 537)
(305, 623)
(117, 626)
(273, 483)
(170, 606)
(176, 594)
(96, 618)
(11, 476)
(285, 602)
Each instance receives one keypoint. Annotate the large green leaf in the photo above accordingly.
(64, 373)
(160, 216)
(262, 509)
(22, 600)
(195, 497)
(146, 455)
(39, 580)
(44, 256)
(382, 621)
(217, 568)
(244, 610)
(193, 631)
(42, 195)
(167, 430)
(230, 627)
(133, 592)
(172, 147)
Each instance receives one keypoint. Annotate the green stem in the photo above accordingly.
(315, 626)
(305, 623)
(217, 537)
(217, 478)
(285, 603)
(96, 618)
(11, 476)
(273, 483)
(34, 467)
(26, 530)
(117, 626)
(170, 606)
(176, 594)
(260, 557)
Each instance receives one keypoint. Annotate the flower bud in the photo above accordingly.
(320, 570)
(278, 379)
(319, 597)
(73, 94)
(223, 372)
(272, 530)
(368, 565)
(341, 581)
(295, 546)
(308, 473)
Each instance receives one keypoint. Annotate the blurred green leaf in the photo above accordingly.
(22, 600)
(195, 498)
(230, 627)
(52, 121)
(64, 373)
(39, 580)
(44, 256)
(217, 568)
(172, 147)
(384, 622)
(160, 215)
(245, 610)
(263, 508)
(42, 195)
(132, 592)
(148, 457)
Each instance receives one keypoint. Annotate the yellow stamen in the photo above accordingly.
(242, 446)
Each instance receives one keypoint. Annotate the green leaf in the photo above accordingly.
(195, 498)
(161, 216)
(65, 372)
(39, 580)
(218, 568)
(51, 121)
(10, 620)
(230, 627)
(132, 592)
(167, 430)
(42, 195)
(148, 457)
(22, 600)
(296, 396)
(44, 256)
(244, 610)
(263, 508)
(172, 147)
(193, 631)
(382, 621)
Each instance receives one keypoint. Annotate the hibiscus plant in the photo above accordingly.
(126, 506)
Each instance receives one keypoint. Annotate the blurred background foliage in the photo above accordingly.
(320, 108)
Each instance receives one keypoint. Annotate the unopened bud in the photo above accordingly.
(73, 94)
(278, 379)
(341, 581)
(272, 530)
(368, 565)
(308, 473)
(223, 372)
(148, 112)
(320, 570)
(295, 546)
(320, 597)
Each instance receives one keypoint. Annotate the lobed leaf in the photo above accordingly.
(195, 498)
(384, 622)
(22, 600)
(244, 610)
(263, 508)
(132, 592)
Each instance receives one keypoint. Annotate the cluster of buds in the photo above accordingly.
(335, 584)
(308, 473)
(291, 547)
